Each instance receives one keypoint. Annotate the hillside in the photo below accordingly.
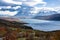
(55, 17)
(12, 30)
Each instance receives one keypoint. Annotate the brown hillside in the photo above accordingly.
(17, 31)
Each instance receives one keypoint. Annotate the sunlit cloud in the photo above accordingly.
(8, 13)
(21, 0)
(0, 8)
(16, 7)
(4, 11)
(35, 2)
(31, 3)
(9, 7)
(13, 2)
(5, 7)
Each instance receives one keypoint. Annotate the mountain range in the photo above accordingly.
(40, 14)
(24, 11)
(47, 15)
(55, 17)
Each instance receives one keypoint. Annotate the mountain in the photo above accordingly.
(47, 15)
(55, 17)
(24, 11)
(46, 12)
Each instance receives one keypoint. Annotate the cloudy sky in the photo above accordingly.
(7, 4)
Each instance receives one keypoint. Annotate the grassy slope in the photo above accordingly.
(16, 31)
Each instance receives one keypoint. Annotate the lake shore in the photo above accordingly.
(12, 32)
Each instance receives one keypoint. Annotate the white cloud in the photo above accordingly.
(16, 7)
(31, 3)
(8, 13)
(5, 7)
(9, 7)
(13, 2)
(20, 0)
(35, 2)
(0, 8)
(35, 11)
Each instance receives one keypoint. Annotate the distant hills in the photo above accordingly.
(47, 15)
(55, 17)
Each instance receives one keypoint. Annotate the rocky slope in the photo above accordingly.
(12, 30)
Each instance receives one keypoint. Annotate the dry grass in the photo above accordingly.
(11, 33)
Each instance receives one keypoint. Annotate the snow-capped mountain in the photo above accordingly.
(47, 15)
(24, 11)
(27, 11)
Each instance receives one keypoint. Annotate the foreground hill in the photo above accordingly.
(12, 30)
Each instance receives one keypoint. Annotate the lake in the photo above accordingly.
(44, 25)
